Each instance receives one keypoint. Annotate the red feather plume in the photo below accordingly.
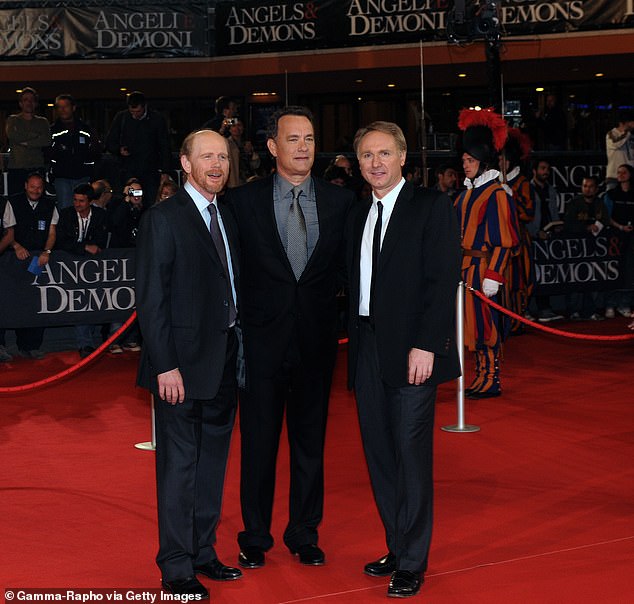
(485, 117)
(523, 142)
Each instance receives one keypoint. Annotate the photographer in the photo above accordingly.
(127, 214)
(226, 111)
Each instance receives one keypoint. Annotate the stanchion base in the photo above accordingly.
(465, 428)
(146, 446)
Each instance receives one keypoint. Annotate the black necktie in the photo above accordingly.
(216, 236)
(376, 250)
(296, 248)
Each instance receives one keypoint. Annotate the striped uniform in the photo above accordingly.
(519, 274)
(488, 224)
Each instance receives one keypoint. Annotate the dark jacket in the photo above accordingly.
(68, 231)
(278, 312)
(147, 141)
(415, 288)
(32, 226)
(181, 296)
(73, 151)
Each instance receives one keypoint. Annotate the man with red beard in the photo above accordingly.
(186, 285)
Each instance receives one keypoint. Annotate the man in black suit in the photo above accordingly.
(403, 257)
(82, 230)
(291, 229)
(186, 283)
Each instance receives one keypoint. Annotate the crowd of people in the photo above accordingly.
(238, 275)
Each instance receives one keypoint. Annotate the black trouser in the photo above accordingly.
(192, 446)
(397, 427)
(305, 397)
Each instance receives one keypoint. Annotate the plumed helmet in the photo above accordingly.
(484, 133)
(518, 147)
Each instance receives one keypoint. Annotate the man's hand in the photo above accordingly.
(21, 252)
(171, 387)
(43, 259)
(419, 366)
(91, 248)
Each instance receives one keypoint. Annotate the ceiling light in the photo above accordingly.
(359, 81)
(391, 85)
(462, 75)
(539, 89)
(599, 75)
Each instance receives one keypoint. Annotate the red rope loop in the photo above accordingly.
(539, 326)
(74, 368)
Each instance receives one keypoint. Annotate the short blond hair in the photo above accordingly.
(386, 127)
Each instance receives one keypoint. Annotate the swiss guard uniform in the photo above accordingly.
(489, 233)
(519, 275)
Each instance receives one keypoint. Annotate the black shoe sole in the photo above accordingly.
(210, 576)
(379, 574)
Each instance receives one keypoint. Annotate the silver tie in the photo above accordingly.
(296, 248)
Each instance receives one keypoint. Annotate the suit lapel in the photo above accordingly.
(197, 225)
(398, 221)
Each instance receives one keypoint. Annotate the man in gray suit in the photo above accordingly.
(186, 285)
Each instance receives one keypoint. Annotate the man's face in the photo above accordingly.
(28, 103)
(542, 172)
(137, 112)
(344, 162)
(622, 174)
(470, 165)
(207, 166)
(103, 189)
(34, 188)
(64, 109)
(589, 189)
(236, 130)
(293, 147)
(81, 204)
(380, 162)
(230, 110)
(447, 179)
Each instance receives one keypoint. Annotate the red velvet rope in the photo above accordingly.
(93, 355)
(74, 368)
(539, 326)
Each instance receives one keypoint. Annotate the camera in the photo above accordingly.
(232, 121)
(135, 192)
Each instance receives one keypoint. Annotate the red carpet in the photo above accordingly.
(537, 507)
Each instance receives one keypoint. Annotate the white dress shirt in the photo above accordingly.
(365, 275)
(201, 205)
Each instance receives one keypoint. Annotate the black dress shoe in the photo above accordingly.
(251, 557)
(189, 586)
(217, 571)
(381, 567)
(404, 584)
(310, 554)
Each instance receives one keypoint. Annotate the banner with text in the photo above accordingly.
(249, 26)
(71, 290)
(132, 29)
(568, 263)
(91, 32)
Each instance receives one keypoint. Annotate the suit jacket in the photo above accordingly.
(415, 286)
(68, 230)
(182, 296)
(278, 313)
